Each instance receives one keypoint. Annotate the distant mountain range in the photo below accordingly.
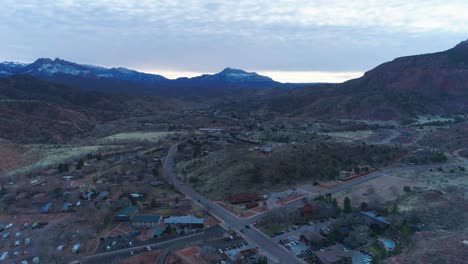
(435, 83)
(125, 80)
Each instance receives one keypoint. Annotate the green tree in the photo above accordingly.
(64, 167)
(405, 232)
(364, 206)
(347, 205)
(168, 230)
(153, 203)
(155, 172)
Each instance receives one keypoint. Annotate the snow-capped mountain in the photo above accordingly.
(45, 67)
(126, 80)
(234, 75)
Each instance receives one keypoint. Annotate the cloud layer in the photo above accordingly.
(302, 35)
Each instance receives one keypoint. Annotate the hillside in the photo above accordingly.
(234, 169)
(434, 83)
(32, 110)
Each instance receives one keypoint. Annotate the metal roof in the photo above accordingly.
(184, 220)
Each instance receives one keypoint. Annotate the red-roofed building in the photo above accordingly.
(307, 210)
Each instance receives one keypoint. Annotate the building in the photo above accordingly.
(346, 175)
(312, 238)
(266, 149)
(156, 183)
(307, 210)
(145, 221)
(67, 206)
(104, 194)
(46, 208)
(365, 168)
(244, 198)
(183, 222)
(125, 214)
(375, 220)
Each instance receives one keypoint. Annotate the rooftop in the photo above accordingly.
(127, 211)
(184, 220)
(146, 218)
(376, 217)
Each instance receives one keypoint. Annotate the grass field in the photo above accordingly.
(42, 156)
(136, 136)
(349, 136)
(269, 230)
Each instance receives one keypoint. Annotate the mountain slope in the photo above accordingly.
(434, 83)
(33, 110)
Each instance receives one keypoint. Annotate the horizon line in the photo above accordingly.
(283, 76)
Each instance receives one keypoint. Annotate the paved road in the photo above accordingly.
(459, 157)
(275, 252)
(179, 242)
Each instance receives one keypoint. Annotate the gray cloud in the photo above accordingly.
(279, 35)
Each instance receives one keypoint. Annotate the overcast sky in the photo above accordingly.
(303, 40)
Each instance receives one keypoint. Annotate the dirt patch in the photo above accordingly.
(289, 199)
(148, 257)
(382, 189)
(12, 156)
(435, 247)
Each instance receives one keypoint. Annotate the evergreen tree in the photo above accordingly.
(364, 206)
(347, 205)
(80, 164)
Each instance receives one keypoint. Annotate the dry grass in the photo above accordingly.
(50, 155)
(349, 136)
(136, 136)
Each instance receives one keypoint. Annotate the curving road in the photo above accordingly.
(459, 157)
(275, 252)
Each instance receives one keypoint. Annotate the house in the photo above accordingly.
(374, 219)
(312, 238)
(188, 221)
(67, 206)
(346, 175)
(125, 214)
(364, 169)
(145, 221)
(104, 194)
(334, 255)
(38, 180)
(266, 149)
(307, 210)
(156, 183)
(244, 198)
(45, 209)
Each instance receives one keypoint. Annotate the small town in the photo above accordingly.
(233, 132)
